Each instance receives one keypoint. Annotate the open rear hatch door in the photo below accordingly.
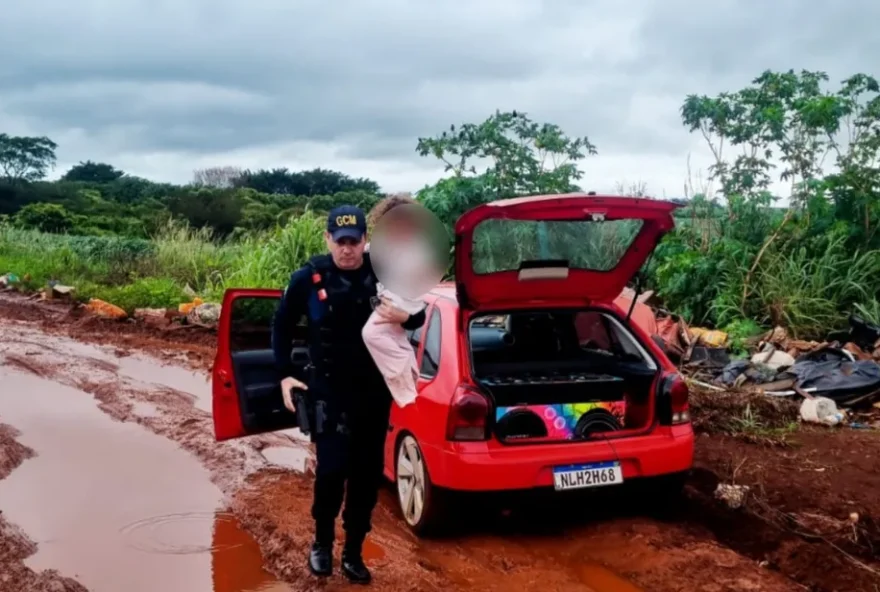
(554, 250)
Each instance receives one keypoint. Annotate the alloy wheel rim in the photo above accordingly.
(411, 481)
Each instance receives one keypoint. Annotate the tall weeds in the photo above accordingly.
(809, 293)
(267, 260)
(192, 256)
(138, 273)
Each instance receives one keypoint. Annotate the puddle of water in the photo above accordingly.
(372, 551)
(144, 409)
(84, 497)
(600, 579)
(286, 456)
(137, 367)
(236, 561)
(295, 434)
(84, 350)
(180, 379)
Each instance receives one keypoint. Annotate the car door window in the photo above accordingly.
(415, 338)
(431, 355)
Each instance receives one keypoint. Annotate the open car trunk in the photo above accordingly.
(554, 250)
(533, 277)
(557, 375)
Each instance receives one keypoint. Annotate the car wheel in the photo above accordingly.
(418, 498)
(664, 494)
(670, 488)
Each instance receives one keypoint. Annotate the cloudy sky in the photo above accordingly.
(160, 87)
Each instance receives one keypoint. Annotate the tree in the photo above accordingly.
(780, 115)
(524, 157)
(305, 183)
(451, 197)
(221, 209)
(856, 187)
(92, 172)
(26, 158)
(326, 182)
(47, 217)
(223, 177)
(790, 117)
(134, 190)
(324, 203)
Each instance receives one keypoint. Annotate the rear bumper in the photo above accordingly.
(481, 466)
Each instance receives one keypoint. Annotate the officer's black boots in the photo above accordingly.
(321, 562)
(321, 559)
(353, 566)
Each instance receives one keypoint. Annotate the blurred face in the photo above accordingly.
(400, 228)
(347, 253)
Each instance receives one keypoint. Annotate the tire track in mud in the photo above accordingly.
(273, 505)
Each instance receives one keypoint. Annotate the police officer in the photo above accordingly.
(342, 396)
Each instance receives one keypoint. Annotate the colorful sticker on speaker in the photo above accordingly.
(560, 421)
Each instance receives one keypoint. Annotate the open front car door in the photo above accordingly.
(246, 387)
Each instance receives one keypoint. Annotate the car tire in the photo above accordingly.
(664, 494)
(421, 503)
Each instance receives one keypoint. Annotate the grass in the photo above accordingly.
(157, 273)
(751, 416)
(809, 294)
(751, 425)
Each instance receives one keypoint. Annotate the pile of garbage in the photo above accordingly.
(8, 280)
(194, 313)
(828, 376)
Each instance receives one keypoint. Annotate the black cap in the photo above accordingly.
(347, 222)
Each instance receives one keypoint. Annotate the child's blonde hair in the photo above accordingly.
(386, 205)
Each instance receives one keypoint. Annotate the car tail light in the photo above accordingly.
(673, 407)
(468, 415)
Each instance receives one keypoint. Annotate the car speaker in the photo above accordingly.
(521, 423)
(596, 421)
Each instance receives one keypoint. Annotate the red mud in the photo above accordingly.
(584, 547)
(813, 513)
(621, 555)
(196, 344)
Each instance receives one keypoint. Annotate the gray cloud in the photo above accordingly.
(211, 79)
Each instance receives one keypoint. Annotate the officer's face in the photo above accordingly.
(347, 253)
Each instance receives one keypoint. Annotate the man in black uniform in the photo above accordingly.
(343, 394)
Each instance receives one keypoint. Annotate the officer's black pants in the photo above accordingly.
(350, 465)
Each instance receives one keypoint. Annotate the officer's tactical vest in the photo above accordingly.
(338, 311)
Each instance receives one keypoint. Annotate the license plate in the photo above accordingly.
(589, 475)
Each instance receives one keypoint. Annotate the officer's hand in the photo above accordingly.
(287, 386)
(388, 313)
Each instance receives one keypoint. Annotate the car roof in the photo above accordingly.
(445, 291)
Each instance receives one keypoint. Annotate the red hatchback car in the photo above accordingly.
(531, 375)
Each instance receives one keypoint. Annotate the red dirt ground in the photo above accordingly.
(796, 532)
(814, 514)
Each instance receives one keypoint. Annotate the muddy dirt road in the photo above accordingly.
(110, 480)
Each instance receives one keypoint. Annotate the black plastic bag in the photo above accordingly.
(843, 381)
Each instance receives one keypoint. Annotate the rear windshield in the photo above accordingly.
(503, 244)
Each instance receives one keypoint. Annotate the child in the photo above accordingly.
(403, 259)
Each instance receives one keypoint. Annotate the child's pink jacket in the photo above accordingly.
(394, 356)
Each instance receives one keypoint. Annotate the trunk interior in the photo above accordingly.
(562, 375)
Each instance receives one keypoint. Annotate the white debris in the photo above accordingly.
(821, 410)
(732, 495)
